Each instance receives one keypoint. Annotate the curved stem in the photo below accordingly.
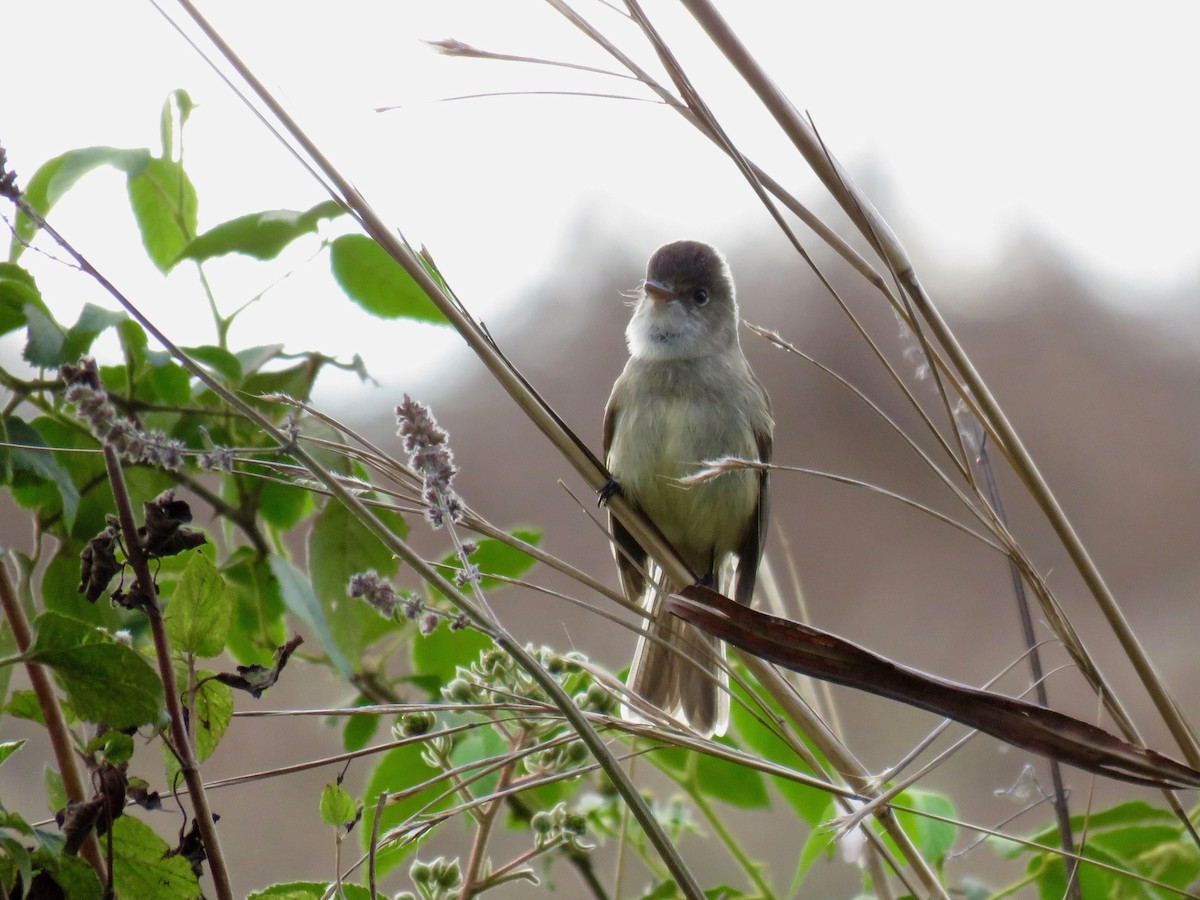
(52, 714)
(180, 741)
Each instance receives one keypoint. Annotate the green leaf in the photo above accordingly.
(56, 791)
(177, 99)
(359, 729)
(340, 546)
(200, 609)
(93, 320)
(298, 596)
(932, 837)
(164, 204)
(398, 770)
(213, 713)
(17, 288)
(74, 877)
(717, 778)
(56, 177)
(338, 808)
(258, 608)
(308, 890)
(495, 557)
(439, 654)
(219, 360)
(8, 748)
(46, 339)
(262, 235)
(105, 681)
(142, 867)
(811, 804)
(19, 466)
(24, 705)
(377, 283)
(284, 505)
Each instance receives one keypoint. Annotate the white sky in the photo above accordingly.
(1077, 121)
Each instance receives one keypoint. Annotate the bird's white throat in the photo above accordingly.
(664, 331)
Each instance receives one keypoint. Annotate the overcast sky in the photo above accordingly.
(1075, 121)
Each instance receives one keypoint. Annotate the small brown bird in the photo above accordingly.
(687, 395)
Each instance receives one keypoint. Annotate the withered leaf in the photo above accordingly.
(256, 679)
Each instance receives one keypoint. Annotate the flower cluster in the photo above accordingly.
(380, 594)
(430, 456)
(92, 404)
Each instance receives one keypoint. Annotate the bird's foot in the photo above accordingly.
(610, 488)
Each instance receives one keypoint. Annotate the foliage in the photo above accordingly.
(472, 738)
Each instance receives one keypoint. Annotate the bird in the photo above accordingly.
(687, 395)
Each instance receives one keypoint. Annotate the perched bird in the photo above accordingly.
(687, 395)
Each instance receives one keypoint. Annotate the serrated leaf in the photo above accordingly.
(56, 177)
(262, 235)
(105, 681)
(164, 205)
(200, 609)
(213, 713)
(377, 283)
(298, 596)
(142, 868)
(338, 808)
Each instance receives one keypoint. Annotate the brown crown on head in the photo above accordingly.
(684, 263)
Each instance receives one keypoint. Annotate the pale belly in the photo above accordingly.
(667, 440)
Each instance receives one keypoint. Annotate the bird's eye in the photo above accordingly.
(700, 295)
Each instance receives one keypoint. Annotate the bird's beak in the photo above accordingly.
(658, 291)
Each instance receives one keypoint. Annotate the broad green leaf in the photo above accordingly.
(200, 609)
(298, 596)
(17, 288)
(1093, 881)
(359, 730)
(45, 340)
(142, 868)
(24, 705)
(284, 505)
(261, 235)
(399, 769)
(820, 842)
(439, 654)
(8, 748)
(932, 837)
(308, 890)
(338, 808)
(74, 877)
(1136, 812)
(258, 608)
(92, 321)
(56, 791)
(811, 804)
(214, 712)
(218, 360)
(164, 204)
(340, 546)
(56, 177)
(377, 283)
(105, 681)
(20, 465)
(717, 778)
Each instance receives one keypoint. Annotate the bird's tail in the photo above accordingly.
(679, 669)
